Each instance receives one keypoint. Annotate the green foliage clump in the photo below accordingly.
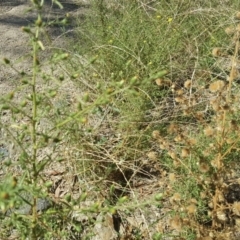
(133, 118)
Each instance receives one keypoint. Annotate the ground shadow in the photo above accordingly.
(52, 14)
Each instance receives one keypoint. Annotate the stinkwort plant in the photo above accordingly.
(101, 134)
(32, 203)
(204, 153)
(34, 124)
(134, 40)
(24, 188)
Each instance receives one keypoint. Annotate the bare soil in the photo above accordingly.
(14, 43)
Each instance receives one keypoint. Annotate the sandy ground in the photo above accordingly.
(14, 43)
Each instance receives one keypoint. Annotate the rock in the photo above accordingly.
(3, 153)
(25, 209)
(104, 228)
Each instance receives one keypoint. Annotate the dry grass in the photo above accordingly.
(146, 146)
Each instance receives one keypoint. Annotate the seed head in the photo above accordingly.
(179, 92)
(188, 84)
(217, 86)
(176, 197)
(216, 163)
(173, 128)
(221, 215)
(203, 195)
(237, 222)
(210, 205)
(176, 163)
(172, 177)
(163, 82)
(162, 146)
(156, 134)
(215, 105)
(192, 141)
(179, 138)
(191, 208)
(236, 208)
(176, 223)
(179, 99)
(173, 155)
(152, 155)
(208, 131)
(237, 16)
(185, 152)
(230, 30)
(216, 52)
(203, 167)
(159, 82)
(199, 115)
(221, 198)
(238, 27)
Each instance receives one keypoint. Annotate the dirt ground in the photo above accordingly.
(14, 43)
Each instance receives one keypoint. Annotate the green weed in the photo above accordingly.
(132, 119)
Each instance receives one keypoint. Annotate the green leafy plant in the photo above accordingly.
(128, 125)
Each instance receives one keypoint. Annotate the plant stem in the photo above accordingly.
(34, 130)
